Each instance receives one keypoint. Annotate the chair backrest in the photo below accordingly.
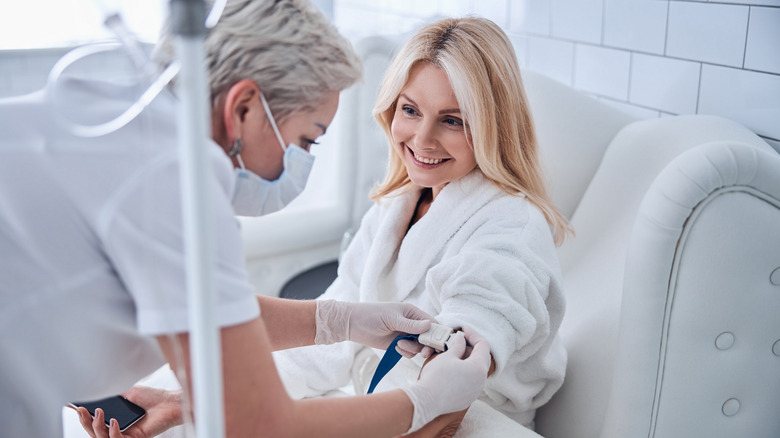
(593, 262)
(573, 131)
(699, 343)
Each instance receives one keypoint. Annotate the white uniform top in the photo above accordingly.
(91, 252)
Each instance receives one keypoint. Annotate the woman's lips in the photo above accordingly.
(425, 162)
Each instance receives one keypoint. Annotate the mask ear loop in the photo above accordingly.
(273, 122)
(235, 151)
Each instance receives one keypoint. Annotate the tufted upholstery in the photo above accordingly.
(671, 323)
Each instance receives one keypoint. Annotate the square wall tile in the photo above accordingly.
(520, 44)
(530, 16)
(553, 58)
(602, 71)
(636, 25)
(428, 8)
(577, 20)
(748, 97)
(494, 10)
(356, 23)
(454, 8)
(670, 85)
(763, 41)
(707, 32)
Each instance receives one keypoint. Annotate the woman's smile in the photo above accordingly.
(425, 162)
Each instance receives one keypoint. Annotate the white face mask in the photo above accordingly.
(255, 196)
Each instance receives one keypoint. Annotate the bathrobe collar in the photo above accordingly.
(400, 259)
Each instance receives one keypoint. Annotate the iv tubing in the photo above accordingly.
(194, 127)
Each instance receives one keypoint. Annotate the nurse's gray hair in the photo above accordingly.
(287, 47)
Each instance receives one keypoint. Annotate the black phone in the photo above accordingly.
(123, 410)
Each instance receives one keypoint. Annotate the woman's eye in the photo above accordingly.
(307, 143)
(453, 121)
(408, 110)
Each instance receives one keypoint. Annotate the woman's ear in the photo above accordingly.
(241, 98)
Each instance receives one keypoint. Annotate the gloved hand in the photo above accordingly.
(371, 324)
(434, 394)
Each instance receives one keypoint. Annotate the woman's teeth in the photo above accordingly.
(427, 160)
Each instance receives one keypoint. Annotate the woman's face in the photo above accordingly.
(428, 130)
(262, 153)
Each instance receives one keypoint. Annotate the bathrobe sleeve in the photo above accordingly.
(315, 370)
(497, 277)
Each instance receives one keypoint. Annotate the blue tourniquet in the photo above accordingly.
(388, 361)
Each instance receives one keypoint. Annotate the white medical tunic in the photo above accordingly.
(91, 251)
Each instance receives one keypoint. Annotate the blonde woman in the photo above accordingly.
(462, 228)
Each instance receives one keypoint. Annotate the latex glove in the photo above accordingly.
(434, 394)
(163, 411)
(371, 324)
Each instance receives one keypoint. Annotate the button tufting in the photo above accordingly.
(731, 407)
(776, 348)
(724, 341)
(774, 277)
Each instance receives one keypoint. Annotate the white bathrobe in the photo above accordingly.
(478, 258)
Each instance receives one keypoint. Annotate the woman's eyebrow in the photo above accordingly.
(444, 111)
(450, 111)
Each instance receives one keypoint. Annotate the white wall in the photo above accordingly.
(648, 57)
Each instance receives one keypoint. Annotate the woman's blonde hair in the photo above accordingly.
(480, 63)
(287, 47)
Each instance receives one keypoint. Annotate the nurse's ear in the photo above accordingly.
(242, 102)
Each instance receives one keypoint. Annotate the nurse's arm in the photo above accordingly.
(256, 403)
(289, 323)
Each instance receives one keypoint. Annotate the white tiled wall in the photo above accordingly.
(648, 57)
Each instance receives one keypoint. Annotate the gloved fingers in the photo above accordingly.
(413, 326)
(413, 312)
(472, 337)
(427, 352)
(480, 353)
(413, 320)
(456, 345)
(408, 348)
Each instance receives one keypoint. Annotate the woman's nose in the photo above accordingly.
(426, 136)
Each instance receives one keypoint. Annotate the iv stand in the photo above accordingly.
(187, 18)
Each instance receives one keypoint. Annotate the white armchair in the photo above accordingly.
(673, 280)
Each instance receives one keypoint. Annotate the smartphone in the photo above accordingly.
(123, 410)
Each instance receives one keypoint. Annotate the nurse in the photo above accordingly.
(92, 277)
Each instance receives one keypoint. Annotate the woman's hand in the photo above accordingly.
(163, 411)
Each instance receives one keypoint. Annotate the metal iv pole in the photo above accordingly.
(187, 18)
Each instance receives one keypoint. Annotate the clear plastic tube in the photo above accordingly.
(140, 60)
(154, 89)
